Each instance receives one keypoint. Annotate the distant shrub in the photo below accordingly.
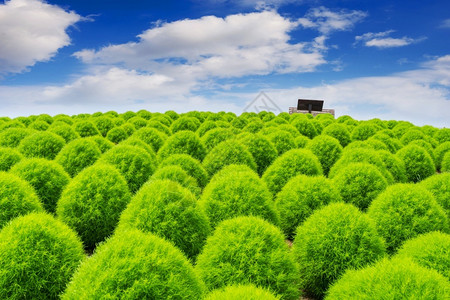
(86, 128)
(17, 197)
(254, 126)
(185, 123)
(160, 127)
(439, 186)
(41, 144)
(239, 123)
(401, 127)
(128, 115)
(144, 267)
(412, 134)
(241, 292)
(333, 239)
(63, 118)
(300, 197)
(205, 127)
(363, 131)
(183, 142)
(442, 135)
(134, 141)
(425, 145)
(289, 128)
(11, 124)
(138, 122)
(48, 179)
(446, 162)
(135, 164)
(404, 211)
(301, 141)
(144, 114)
(234, 191)
(429, 130)
(394, 165)
(102, 143)
(418, 163)
(439, 153)
(104, 124)
(8, 158)
(65, 131)
(38, 255)
(288, 165)
(262, 150)
(39, 125)
(391, 143)
(151, 136)
(398, 278)
(12, 137)
(305, 127)
(166, 209)
(117, 134)
(282, 140)
(129, 128)
(179, 175)
(192, 166)
(227, 153)
(215, 136)
(247, 250)
(77, 155)
(165, 119)
(327, 149)
(92, 202)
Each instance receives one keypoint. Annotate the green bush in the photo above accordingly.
(234, 191)
(177, 174)
(205, 127)
(104, 124)
(116, 135)
(48, 179)
(241, 292)
(183, 142)
(394, 165)
(86, 128)
(390, 279)
(282, 140)
(430, 250)
(227, 153)
(39, 125)
(254, 126)
(38, 255)
(305, 127)
(134, 141)
(442, 135)
(412, 134)
(215, 136)
(102, 143)
(135, 164)
(439, 186)
(92, 202)
(185, 123)
(12, 137)
(11, 124)
(8, 158)
(333, 239)
(418, 163)
(192, 166)
(289, 128)
(65, 131)
(359, 184)
(262, 150)
(446, 162)
(239, 123)
(439, 153)
(391, 143)
(301, 141)
(17, 197)
(160, 127)
(144, 114)
(41, 144)
(165, 208)
(292, 163)
(327, 149)
(77, 155)
(247, 250)
(138, 122)
(165, 119)
(300, 197)
(128, 115)
(404, 211)
(45, 118)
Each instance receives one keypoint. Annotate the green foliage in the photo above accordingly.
(305, 127)
(412, 134)
(215, 136)
(159, 126)
(442, 135)
(65, 131)
(138, 122)
(241, 292)
(398, 278)
(17, 197)
(262, 150)
(135, 164)
(205, 127)
(333, 239)
(404, 211)
(363, 131)
(234, 191)
(92, 202)
(300, 197)
(282, 140)
(102, 143)
(391, 143)
(239, 123)
(104, 124)
(247, 250)
(12, 137)
(41, 144)
(128, 115)
(394, 165)
(134, 141)
(77, 155)
(183, 142)
(144, 114)
(288, 165)
(446, 162)
(439, 153)
(254, 126)
(418, 163)
(359, 184)
(39, 125)
(38, 255)
(117, 134)
(179, 175)
(86, 128)
(191, 165)
(327, 149)
(165, 208)
(439, 186)
(185, 123)
(301, 141)
(227, 153)
(48, 179)
(8, 158)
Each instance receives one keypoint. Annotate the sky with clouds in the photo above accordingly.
(368, 59)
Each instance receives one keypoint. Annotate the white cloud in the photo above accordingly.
(259, 4)
(445, 24)
(383, 40)
(31, 31)
(327, 21)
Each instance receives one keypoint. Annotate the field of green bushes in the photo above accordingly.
(202, 205)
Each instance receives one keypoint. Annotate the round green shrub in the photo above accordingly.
(305, 127)
(116, 135)
(333, 239)
(227, 153)
(431, 250)
(401, 127)
(398, 278)
(262, 150)
(215, 136)
(65, 131)
(165, 119)
(241, 292)
(159, 126)
(177, 174)
(412, 134)
(289, 128)
(429, 130)
(446, 162)
(439, 186)
(12, 137)
(327, 149)
(301, 141)
(138, 122)
(128, 115)
(205, 127)
(247, 250)
(394, 165)
(11, 124)
(48, 179)
(442, 135)
(418, 163)
(129, 128)
(404, 211)
(104, 124)
(8, 158)
(63, 118)
(39, 125)
(300, 197)
(17, 197)
(92, 202)
(185, 123)
(183, 142)
(239, 123)
(292, 163)
(282, 140)
(102, 143)
(77, 155)
(359, 184)
(425, 145)
(254, 126)
(135, 265)
(439, 153)
(41, 144)
(144, 114)
(363, 131)
(24, 120)
(135, 164)
(86, 128)
(391, 143)
(134, 141)
(191, 165)
(234, 191)
(45, 118)
(165, 208)
(38, 255)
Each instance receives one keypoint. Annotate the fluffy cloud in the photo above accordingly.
(383, 40)
(31, 31)
(445, 24)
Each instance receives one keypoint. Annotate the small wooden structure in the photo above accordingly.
(307, 106)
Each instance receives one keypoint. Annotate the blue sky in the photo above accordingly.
(367, 59)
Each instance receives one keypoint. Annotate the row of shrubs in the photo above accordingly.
(200, 205)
